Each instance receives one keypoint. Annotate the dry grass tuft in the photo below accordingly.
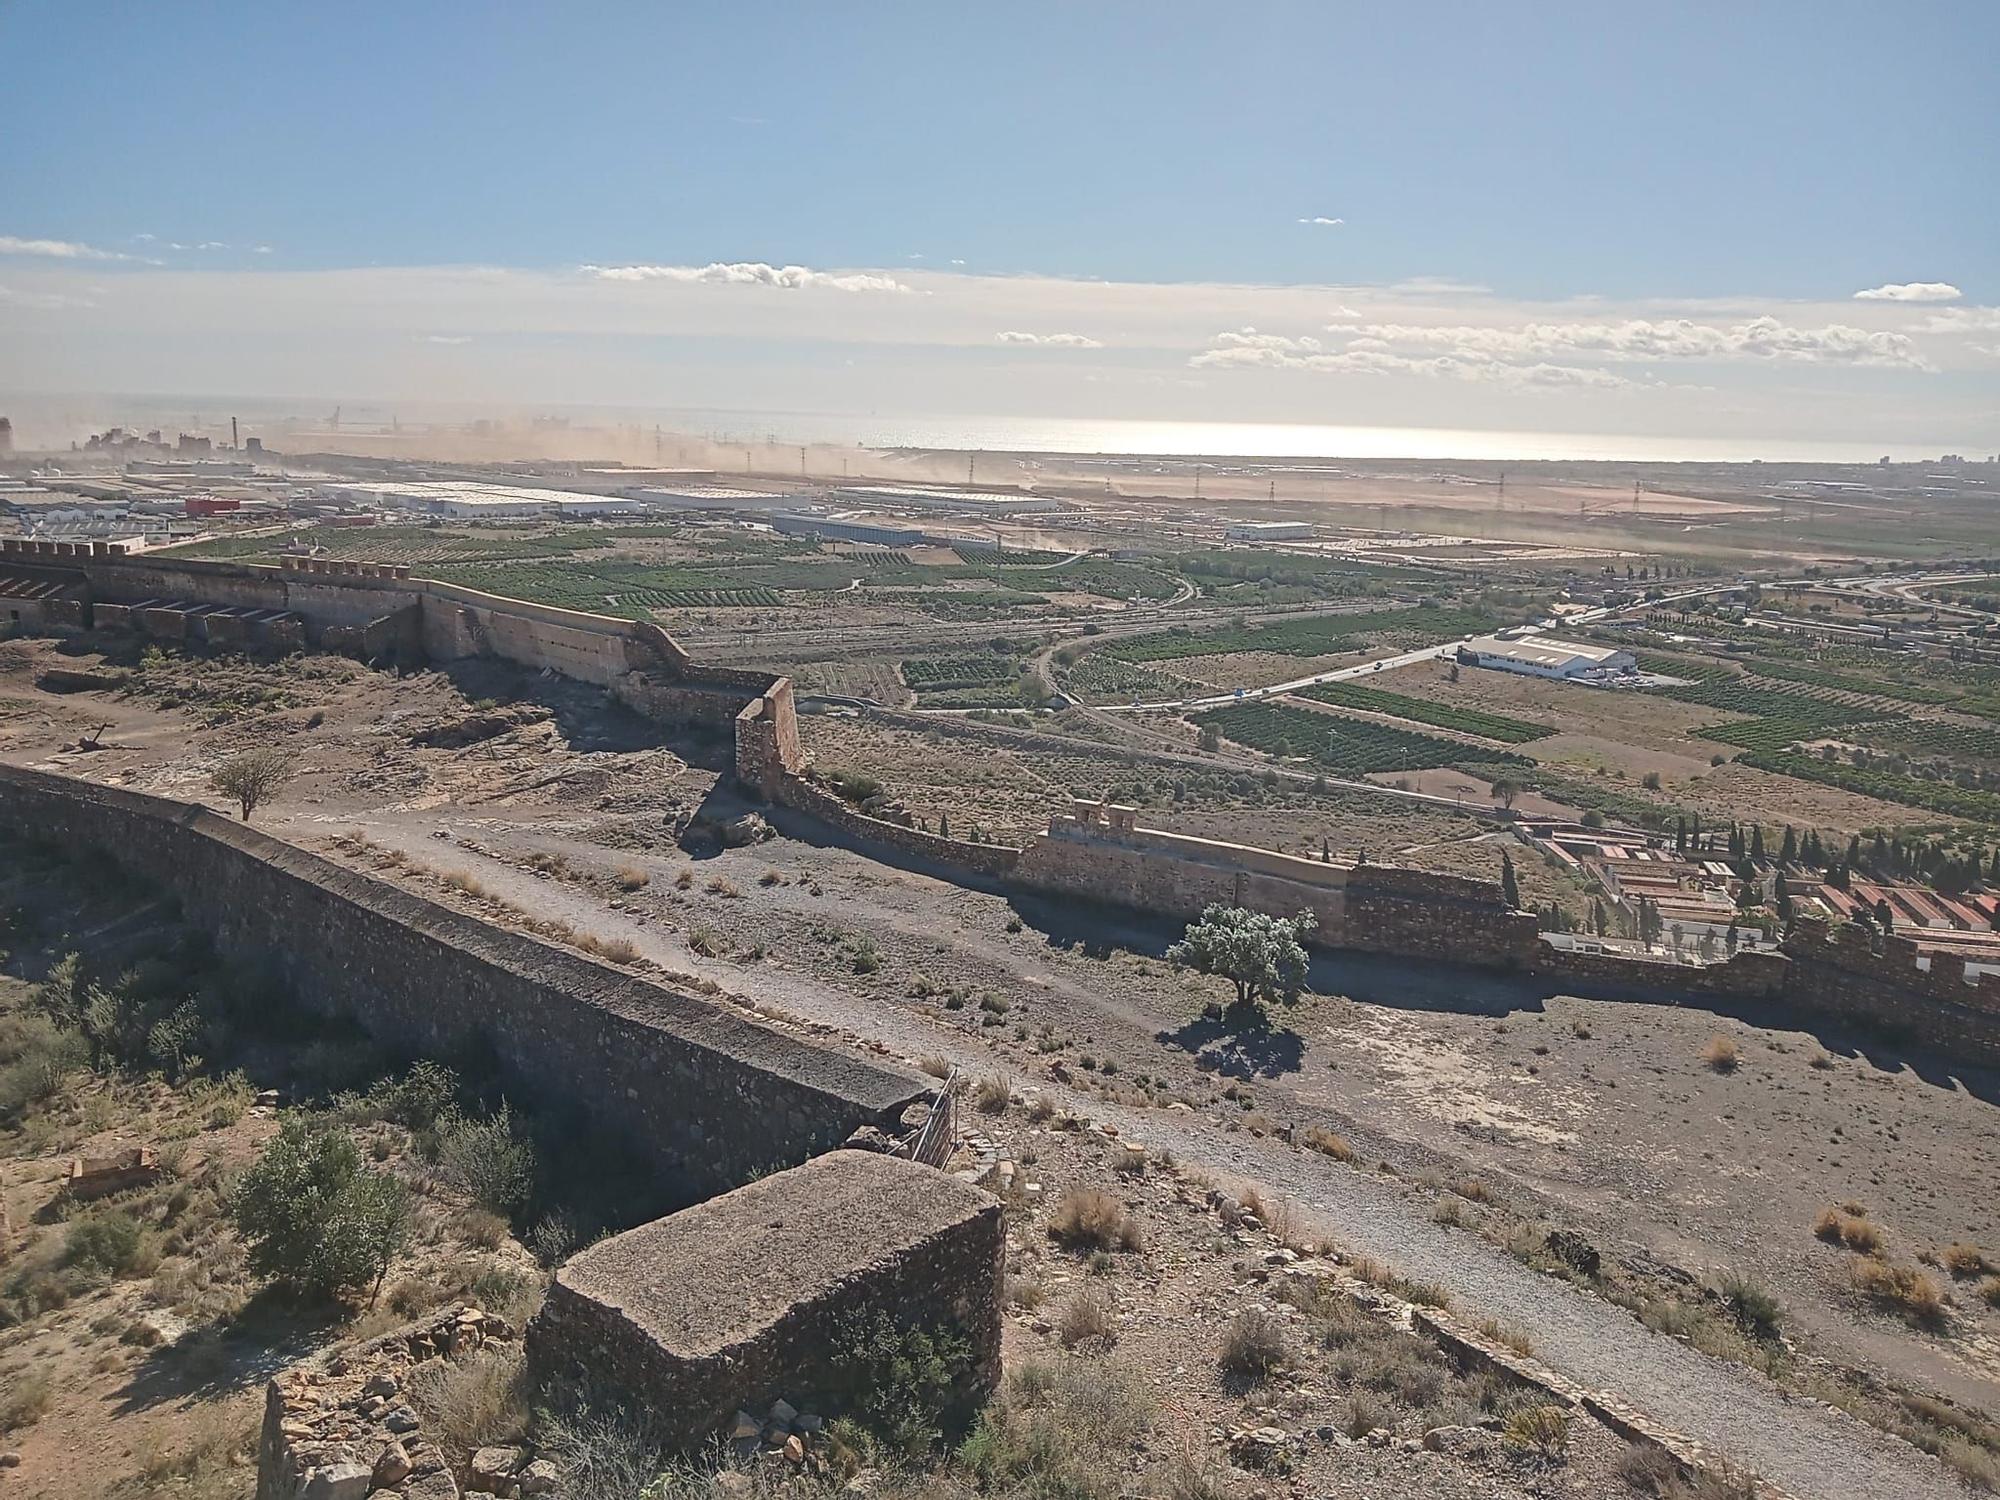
(1327, 1143)
(1964, 1260)
(472, 1404)
(632, 878)
(992, 1094)
(1849, 1225)
(1721, 1055)
(1255, 1346)
(1507, 1336)
(1086, 1317)
(1902, 1289)
(1542, 1429)
(936, 1066)
(465, 883)
(1092, 1219)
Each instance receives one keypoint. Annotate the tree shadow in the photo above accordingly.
(1240, 1043)
(586, 717)
(271, 1332)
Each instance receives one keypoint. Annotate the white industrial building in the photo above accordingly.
(1269, 531)
(466, 500)
(1538, 656)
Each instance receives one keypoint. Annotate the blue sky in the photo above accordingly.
(1722, 162)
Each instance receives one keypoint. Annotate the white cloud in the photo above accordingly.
(1438, 286)
(57, 249)
(1049, 340)
(443, 338)
(260, 249)
(752, 273)
(1910, 291)
(1963, 320)
(1643, 339)
(1371, 356)
(47, 301)
(1322, 219)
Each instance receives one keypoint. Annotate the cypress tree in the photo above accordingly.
(1510, 888)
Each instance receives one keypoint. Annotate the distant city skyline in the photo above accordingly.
(1771, 224)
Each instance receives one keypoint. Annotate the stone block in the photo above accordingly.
(721, 1307)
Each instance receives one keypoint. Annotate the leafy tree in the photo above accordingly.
(254, 776)
(1506, 790)
(1260, 954)
(315, 1218)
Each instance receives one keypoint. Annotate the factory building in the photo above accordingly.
(469, 501)
(1270, 531)
(841, 529)
(917, 497)
(1538, 656)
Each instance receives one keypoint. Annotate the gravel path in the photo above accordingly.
(1807, 1448)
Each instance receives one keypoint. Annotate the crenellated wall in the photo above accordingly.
(1102, 854)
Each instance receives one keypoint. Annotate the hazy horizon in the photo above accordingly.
(1565, 230)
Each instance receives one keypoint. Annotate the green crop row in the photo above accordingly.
(1443, 715)
(929, 673)
(1350, 746)
(1316, 636)
(1901, 689)
(1974, 742)
(1946, 797)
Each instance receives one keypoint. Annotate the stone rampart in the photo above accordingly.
(1102, 854)
(741, 1299)
(1749, 974)
(709, 1095)
(1428, 914)
(802, 794)
(1890, 982)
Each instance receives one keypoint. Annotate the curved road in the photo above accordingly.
(1809, 1449)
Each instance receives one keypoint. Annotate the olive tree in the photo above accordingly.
(1260, 954)
(315, 1218)
(254, 776)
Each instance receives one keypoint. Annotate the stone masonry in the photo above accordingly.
(343, 1427)
(739, 1300)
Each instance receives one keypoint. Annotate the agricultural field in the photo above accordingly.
(1968, 742)
(1465, 720)
(1351, 747)
(1102, 678)
(984, 679)
(1947, 798)
(1316, 636)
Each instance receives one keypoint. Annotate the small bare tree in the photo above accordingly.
(254, 775)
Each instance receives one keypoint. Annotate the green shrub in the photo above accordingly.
(315, 1218)
(902, 1382)
(1059, 1431)
(486, 1159)
(106, 1241)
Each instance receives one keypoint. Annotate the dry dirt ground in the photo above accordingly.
(1618, 1128)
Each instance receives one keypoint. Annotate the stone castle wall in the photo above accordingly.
(1102, 854)
(710, 1096)
(790, 789)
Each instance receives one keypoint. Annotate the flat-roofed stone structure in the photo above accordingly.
(738, 1300)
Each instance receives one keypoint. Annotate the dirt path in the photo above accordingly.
(1807, 1448)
